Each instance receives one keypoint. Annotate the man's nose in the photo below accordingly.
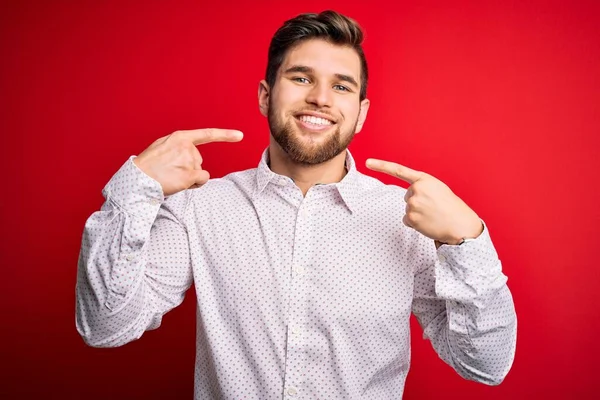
(320, 95)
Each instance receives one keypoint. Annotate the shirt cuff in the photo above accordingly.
(133, 191)
(469, 272)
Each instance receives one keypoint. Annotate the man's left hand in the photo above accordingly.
(431, 207)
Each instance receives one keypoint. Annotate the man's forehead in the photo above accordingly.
(321, 55)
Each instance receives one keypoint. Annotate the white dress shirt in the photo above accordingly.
(299, 297)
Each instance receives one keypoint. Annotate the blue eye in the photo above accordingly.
(342, 88)
(301, 80)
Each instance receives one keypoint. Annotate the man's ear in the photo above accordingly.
(362, 115)
(263, 97)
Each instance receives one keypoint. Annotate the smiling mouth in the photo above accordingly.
(313, 123)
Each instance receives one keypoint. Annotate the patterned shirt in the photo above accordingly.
(298, 297)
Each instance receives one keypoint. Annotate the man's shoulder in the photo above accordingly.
(370, 186)
(246, 176)
(235, 182)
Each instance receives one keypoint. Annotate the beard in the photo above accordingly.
(300, 151)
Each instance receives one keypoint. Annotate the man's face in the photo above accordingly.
(314, 108)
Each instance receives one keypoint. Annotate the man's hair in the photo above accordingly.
(328, 25)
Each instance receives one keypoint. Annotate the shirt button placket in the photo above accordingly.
(296, 357)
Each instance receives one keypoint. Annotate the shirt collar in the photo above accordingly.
(348, 187)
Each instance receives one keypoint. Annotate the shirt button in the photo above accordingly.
(442, 258)
(129, 257)
(154, 202)
(299, 270)
(292, 391)
(296, 331)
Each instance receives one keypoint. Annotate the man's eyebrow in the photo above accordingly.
(347, 78)
(308, 70)
(299, 68)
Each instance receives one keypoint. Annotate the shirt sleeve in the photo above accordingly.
(465, 308)
(134, 263)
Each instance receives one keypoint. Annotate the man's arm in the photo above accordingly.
(134, 264)
(466, 310)
(134, 261)
(462, 303)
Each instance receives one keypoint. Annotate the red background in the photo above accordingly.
(501, 101)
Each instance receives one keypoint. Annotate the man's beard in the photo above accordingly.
(288, 137)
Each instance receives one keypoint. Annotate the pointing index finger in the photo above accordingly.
(393, 169)
(203, 136)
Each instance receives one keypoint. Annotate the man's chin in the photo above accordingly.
(311, 155)
(308, 147)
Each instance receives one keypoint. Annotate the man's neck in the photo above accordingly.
(306, 176)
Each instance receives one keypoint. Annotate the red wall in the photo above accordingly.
(501, 101)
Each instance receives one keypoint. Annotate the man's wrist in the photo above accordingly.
(462, 239)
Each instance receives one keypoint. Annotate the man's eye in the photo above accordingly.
(342, 88)
(301, 80)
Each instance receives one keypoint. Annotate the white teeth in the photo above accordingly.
(314, 120)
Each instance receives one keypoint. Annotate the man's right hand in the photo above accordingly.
(175, 162)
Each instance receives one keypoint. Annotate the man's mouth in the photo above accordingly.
(314, 122)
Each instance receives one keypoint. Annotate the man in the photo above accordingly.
(306, 271)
